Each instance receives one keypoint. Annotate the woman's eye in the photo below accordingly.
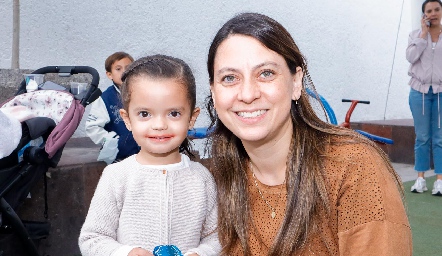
(144, 114)
(266, 74)
(175, 114)
(228, 79)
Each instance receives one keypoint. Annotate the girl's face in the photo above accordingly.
(117, 70)
(433, 12)
(253, 89)
(159, 116)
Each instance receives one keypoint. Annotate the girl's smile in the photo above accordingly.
(159, 138)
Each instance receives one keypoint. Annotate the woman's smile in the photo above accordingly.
(253, 114)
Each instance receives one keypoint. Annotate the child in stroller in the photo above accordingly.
(57, 115)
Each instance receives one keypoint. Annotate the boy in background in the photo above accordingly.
(104, 124)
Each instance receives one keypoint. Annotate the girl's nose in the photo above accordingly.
(249, 91)
(159, 123)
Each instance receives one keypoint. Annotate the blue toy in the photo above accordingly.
(166, 250)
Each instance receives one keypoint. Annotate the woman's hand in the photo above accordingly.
(139, 252)
(424, 27)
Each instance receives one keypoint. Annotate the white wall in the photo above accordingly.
(5, 33)
(350, 45)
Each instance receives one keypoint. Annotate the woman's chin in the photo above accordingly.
(252, 135)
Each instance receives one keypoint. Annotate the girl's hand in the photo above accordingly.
(139, 252)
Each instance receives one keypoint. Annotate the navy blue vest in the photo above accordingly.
(126, 144)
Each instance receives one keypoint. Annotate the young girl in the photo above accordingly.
(157, 196)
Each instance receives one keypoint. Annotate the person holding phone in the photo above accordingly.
(424, 52)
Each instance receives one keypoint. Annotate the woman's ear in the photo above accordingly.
(125, 116)
(193, 117)
(297, 83)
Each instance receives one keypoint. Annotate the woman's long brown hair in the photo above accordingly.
(306, 189)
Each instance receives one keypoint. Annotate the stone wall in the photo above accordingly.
(10, 80)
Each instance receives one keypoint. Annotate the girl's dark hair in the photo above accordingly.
(160, 66)
(427, 1)
(306, 189)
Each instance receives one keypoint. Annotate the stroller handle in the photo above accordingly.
(64, 71)
(92, 94)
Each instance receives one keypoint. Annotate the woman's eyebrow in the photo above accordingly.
(266, 63)
(227, 69)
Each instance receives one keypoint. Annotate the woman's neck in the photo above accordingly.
(436, 28)
(269, 159)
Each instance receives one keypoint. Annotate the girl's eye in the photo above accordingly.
(266, 74)
(175, 114)
(144, 114)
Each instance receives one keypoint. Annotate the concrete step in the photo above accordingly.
(401, 131)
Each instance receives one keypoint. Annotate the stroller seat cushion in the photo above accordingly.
(44, 103)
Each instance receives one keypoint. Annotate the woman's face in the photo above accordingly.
(433, 12)
(253, 89)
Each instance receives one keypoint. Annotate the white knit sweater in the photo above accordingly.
(140, 206)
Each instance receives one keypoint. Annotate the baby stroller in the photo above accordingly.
(58, 114)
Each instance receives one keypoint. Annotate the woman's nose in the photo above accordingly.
(249, 91)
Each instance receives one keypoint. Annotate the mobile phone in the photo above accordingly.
(428, 23)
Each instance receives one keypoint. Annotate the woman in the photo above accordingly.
(425, 55)
(289, 183)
